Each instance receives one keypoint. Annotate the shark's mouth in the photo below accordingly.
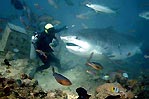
(75, 44)
(82, 47)
(73, 47)
(71, 44)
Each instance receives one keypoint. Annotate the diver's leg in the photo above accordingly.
(42, 67)
(55, 60)
(58, 64)
(46, 63)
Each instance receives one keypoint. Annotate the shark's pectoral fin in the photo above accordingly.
(98, 12)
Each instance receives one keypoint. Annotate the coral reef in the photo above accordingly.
(28, 89)
(105, 90)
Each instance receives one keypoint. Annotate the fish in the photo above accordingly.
(85, 41)
(45, 18)
(84, 25)
(17, 4)
(115, 89)
(7, 62)
(37, 6)
(53, 3)
(146, 56)
(29, 14)
(94, 65)
(91, 72)
(106, 77)
(85, 15)
(61, 79)
(23, 22)
(144, 15)
(129, 54)
(69, 2)
(100, 8)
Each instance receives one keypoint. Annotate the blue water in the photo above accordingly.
(128, 12)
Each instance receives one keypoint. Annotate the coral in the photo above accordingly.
(106, 90)
(132, 82)
(130, 95)
(114, 76)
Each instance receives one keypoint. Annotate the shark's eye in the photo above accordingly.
(71, 44)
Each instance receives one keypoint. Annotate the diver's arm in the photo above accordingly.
(61, 29)
(55, 42)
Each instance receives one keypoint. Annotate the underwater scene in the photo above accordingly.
(74, 49)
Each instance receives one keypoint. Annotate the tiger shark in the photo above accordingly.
(102, 42)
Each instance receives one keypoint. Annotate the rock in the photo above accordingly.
(10, 55)
(18, 82)
(34, 82)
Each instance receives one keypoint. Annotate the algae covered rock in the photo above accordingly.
(113, 89)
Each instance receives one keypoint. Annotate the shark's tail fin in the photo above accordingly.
(91, 55)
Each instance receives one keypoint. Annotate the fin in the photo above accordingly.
(53, 70)
(98, 12)
(106, 57)
(91, 55)
(117, 10)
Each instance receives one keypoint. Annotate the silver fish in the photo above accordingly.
(100, 8)
(144, 15)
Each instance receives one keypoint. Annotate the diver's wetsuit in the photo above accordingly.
(44, 39)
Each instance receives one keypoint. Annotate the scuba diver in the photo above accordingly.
(44, 43)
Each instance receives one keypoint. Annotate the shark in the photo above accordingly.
(105, 42)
